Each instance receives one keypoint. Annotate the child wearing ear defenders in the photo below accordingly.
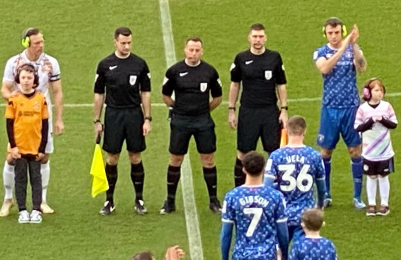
(27, 130)
(374, 119)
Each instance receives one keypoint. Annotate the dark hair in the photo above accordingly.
(29, 68)
(29, 32)
(313, 219)
(143, 256)
(123, 31)
(333, 22)
(296, 125)
(194, 39)
(256, 27)
(253, 163)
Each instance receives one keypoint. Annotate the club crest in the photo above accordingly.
(132, 79)
(203, 87)
(36, 105)
(268, 74)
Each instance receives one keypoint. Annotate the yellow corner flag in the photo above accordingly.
(99, 182)
(284, 137)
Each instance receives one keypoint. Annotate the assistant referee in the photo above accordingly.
(123, 83)
(192, 81)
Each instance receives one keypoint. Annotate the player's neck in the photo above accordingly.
(31, 56)
(295, 140)
(257, 51)
(252, 181)
(312, 234)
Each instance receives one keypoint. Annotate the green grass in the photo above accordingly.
(79, 33)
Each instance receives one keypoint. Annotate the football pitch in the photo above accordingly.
(80, 33)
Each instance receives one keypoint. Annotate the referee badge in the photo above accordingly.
(268, 74)
(132, 79)
(203, 87)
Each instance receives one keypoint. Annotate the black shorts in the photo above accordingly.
(123, 124)
(258, 122)
(382, 168)
(183, 127)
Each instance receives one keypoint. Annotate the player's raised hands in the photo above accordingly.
(354, 34)
(174, 253)
(347, 40)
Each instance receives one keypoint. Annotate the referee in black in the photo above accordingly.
(192, 81)
(123, 82)
(261, 72)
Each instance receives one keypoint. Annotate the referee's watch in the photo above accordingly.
(96, 121)
(284, 107)
(148, 118)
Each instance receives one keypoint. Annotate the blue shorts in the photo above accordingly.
(334, 121)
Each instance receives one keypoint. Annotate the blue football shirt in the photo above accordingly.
(339, 85)
(308, 248)
(254, 210)
(295, 170)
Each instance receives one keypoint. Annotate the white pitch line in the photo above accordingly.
(191, 215)
(294, 100)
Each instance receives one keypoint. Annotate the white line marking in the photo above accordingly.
(191, 215)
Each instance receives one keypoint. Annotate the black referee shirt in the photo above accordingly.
(122, 80)
(259, 75)
(192, 86)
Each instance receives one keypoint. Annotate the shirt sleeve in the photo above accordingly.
(100, 86)
(168, 83)
(55, 75)
(318, 54)
(358, 117)
(270, 169)
(280, 79)
(45, 110)
(227, 212)
(294, 251)
(320, 171)
(216, 87)
(145, 79)
(235, 70)
(333, 252)
(280, 214)
(10, 109)
(391, 114)
(9, 71)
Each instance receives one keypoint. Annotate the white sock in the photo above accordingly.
(8, 180)
(384, 187)
(45, 171)
(371, 188)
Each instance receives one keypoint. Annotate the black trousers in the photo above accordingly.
(21, 180)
